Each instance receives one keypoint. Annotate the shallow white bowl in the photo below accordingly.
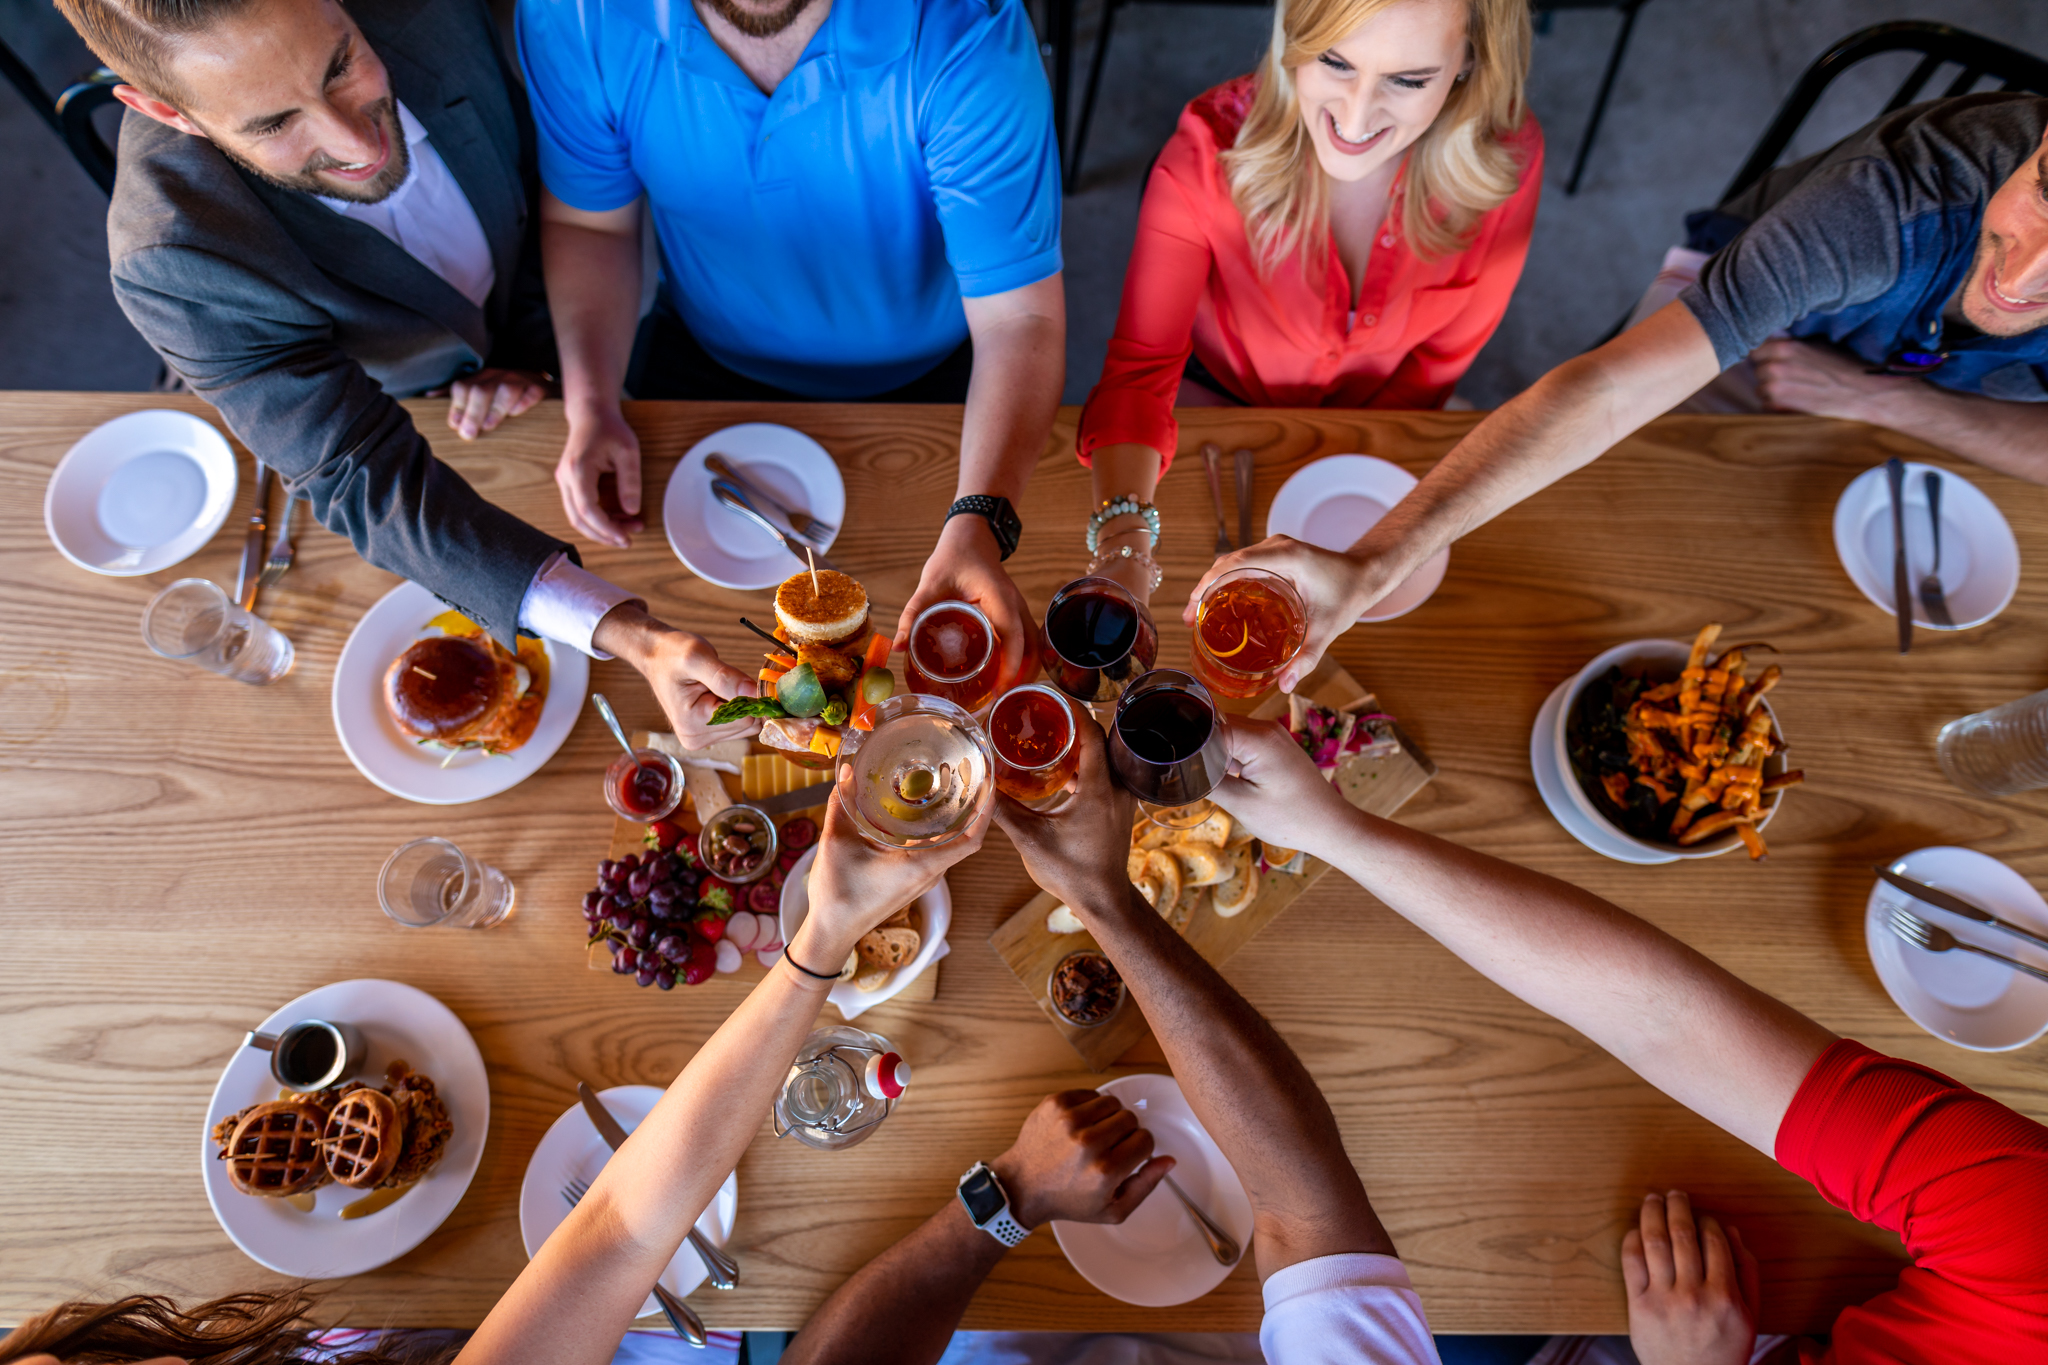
(140, 493)
(1656, 656)
(936, 905)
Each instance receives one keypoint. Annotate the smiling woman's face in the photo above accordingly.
(1367, 99)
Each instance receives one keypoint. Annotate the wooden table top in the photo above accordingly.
(183, 854)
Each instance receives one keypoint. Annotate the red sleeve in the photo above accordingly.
(1961, 1179)
(1433, 367)
(1169, 268)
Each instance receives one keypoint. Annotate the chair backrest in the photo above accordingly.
(75, 108)
(1938, 44)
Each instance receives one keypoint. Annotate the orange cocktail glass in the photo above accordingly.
(1032, 731)
(1248, 626)
(954, 653)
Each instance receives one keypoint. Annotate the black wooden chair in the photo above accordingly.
(70, 114)
(1060, 39)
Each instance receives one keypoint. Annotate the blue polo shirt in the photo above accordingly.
(821, 238)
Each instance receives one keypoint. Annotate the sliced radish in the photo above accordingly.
(770, 940)
(743, 929)
(769, 960)
(728, 956)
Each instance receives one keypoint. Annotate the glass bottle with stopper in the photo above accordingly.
(841, 1086)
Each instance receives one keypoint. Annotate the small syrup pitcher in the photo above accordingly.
(844, 1082)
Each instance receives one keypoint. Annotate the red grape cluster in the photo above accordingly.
(664, 915)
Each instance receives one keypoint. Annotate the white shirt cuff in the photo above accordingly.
(1348, 1309)
(566, 601)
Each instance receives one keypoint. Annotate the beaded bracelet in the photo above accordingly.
(1096, 564)
(1124, 506)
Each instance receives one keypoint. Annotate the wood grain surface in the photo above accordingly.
(182, 854)
(1032, 950)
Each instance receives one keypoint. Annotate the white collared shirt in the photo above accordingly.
(430, 218)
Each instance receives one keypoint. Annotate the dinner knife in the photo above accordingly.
(253, 544)
(731, 496)
(718, 1267)
(1244, 499)
(1931, 595)
(1956, 905)
(803, 798)
(1902, 589)
(802, 524)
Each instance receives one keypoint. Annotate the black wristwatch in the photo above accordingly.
(997, 512)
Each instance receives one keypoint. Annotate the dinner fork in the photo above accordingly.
(1935, 939)
(1212, 456)
(280, 553)
(1931, 596)
(687, 1324)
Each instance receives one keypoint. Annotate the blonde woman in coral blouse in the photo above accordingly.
(1341, 228)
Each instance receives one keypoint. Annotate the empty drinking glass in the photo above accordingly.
(193, 620)
(431, 881)
(1998, 752)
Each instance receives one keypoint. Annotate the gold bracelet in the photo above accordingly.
(1097, 564)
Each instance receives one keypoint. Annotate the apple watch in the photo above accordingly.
(1002, 519)
(988, 1205)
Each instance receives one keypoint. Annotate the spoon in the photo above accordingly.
(604, 708)
(1221, 1244)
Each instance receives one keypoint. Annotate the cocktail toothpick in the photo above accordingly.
(815, 590)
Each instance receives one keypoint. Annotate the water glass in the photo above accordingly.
(431, 881)
(193, 620)
(1998, 752)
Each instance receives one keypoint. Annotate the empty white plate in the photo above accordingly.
(140, 493)
(572, 1147)
(1958, 996)
(1331, 502)
(1980, 560)
(722, 546)
(417, 772)
(399, 1023)
(1157, 1258)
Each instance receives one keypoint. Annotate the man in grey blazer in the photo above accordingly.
(320, 210)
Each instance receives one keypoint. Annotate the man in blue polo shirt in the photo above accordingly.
(854, 200)
(1899, 278)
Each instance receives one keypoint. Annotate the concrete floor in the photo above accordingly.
(1701, 79)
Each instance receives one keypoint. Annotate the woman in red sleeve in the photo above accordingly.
(1341, 228)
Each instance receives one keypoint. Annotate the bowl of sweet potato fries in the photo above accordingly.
(1675, 747)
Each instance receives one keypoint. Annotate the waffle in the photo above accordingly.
(275, 1150)
(363, 1138)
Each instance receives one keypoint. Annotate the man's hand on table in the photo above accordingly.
(1693, 1289)
(688, 677)
(1079, 851)
(482, 400)
(1336, 588)
(1273, 788)
(1080, 1157)
(601, 443)
(967, 566)
(1805, 376)
(855, 885)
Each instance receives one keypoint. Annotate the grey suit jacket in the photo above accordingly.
(303, 326)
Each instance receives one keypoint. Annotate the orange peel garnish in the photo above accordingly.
(1243, 640)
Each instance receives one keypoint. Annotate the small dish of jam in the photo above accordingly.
(645, 785)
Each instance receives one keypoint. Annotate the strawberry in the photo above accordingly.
(663, 835)
(703, 962)
(709, 927)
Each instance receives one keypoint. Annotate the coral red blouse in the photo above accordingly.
(1286, 341)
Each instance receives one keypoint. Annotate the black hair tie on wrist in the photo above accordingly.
(815, 976)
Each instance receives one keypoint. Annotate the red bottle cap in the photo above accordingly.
(887, 1075)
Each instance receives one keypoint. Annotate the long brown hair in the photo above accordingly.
(1458, 170)
(240, 1329)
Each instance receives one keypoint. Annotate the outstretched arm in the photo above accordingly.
(576, 1298)
(1722, 1048)
(1563, 421)
(1245, 1084)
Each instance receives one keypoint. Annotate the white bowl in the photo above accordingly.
(1666, 657)
(936, 905)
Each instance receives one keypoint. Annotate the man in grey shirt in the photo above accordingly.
(320, 210)
(1908, 267)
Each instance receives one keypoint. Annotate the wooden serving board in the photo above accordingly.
(1031, 950)
(763, 773)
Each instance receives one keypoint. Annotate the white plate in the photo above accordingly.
(1554, 786)
(397, 1022)
(1156, 1258)
(1331, 502)
(140, 493)
(722, 546)
(382, 753)
(1980, 560)
(937, 905)
(573, 1147)
(1959, 997)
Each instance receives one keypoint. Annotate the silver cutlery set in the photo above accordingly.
(1241, 495)
(1924, 934)
(1931, 596)
(797, 531)
(257, 571)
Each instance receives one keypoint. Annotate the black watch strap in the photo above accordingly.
(1001, 518)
